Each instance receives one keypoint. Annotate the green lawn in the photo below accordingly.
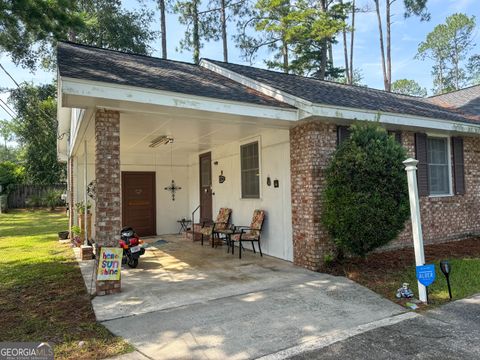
(42, 293)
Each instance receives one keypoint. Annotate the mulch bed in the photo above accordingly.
(377, 269)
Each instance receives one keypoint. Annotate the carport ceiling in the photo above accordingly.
(191, 133)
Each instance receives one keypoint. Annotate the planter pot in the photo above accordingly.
(63, 235)
(81, 219)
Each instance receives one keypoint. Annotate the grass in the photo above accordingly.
(42, 293)
(385, 272)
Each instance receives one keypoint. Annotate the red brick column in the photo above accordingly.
(108, 211)
(311, 146)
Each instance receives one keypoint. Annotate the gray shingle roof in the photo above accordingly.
(335, 94)
(91, 63)
(467, 100)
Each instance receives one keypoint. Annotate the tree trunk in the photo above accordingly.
(195, 34)
(285, 56)
(163, 28)
(345, 53)
(382, 49)
(389, 52)
(352, 35)
(224, 30)
(323, 56)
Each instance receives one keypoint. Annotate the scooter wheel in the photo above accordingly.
(133, 263)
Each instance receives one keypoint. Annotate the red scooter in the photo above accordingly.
(131, 245)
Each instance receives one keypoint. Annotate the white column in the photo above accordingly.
(85, 199)
(411, 169)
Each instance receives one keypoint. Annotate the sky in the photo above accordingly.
(406, 35)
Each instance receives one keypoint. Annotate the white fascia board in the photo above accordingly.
(110, 91)
(394, 119)
(314, 109)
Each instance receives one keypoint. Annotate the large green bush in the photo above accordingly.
(366, 196)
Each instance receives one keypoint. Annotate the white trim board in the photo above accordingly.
(102, 90)
(346, 113)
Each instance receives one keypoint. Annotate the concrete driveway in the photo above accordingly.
(189, 302)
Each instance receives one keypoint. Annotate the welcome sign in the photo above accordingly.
(109, 263)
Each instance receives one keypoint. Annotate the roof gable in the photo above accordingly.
(466, 100)
(330, 93)
(91, 63)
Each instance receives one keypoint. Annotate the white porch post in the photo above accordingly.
(411, 169)
(85, 215)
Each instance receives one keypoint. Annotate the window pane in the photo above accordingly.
(438, 174)
(250, 170)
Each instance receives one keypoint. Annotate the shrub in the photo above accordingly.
(53, 198)
(366, 195)
(34, 201)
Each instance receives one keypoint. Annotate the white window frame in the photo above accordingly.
(449, 165)
(246, 142)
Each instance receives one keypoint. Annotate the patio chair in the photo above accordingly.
(222, 221)
(249, 233)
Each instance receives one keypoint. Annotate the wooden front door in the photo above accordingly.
(138, 202)
(205, 187)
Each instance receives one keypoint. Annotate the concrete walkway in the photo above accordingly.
(189, 302)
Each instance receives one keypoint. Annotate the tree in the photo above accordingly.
(356, 79)
(408, 87)
(10, 174)
(28, 27)
(6, 131)
(36, 131)
(163, 27)
(300, 35)
(312, 38)
(200, 26)
(349, 58)
(366, 198)
(412, 7)
(272, 20)
(448, 46)
(108, 25)
(227, 10)
(473, 68)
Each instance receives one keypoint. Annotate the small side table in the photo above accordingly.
(183, 224)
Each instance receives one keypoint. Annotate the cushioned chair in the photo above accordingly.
(221, 223)
(249, 233)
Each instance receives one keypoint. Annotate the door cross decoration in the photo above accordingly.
(173, 188)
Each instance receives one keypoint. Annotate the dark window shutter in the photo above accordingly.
(343, 133)
(397, 135)
(458, 167)
(422, 157)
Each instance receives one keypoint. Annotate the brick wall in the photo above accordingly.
(450, 217)
(107, 174)
(311, 146)
(443, 218)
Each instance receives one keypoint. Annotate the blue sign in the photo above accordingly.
(426, 274)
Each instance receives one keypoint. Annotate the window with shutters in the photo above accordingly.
(438, 158)
(250, 170)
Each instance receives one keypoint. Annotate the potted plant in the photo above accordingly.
(76, 238)
(81, 208)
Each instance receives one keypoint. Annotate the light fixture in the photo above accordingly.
(446, 268)
(160, 140)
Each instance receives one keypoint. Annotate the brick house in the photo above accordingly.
(269, 134)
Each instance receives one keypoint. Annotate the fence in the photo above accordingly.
(19, 195)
